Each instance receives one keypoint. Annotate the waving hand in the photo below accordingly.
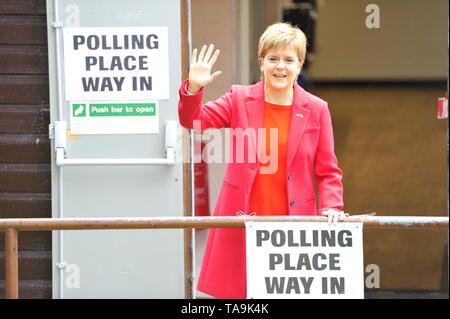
(200, 69)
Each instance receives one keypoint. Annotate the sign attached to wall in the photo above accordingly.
(304, 260)
(111, 64)
(114, 117)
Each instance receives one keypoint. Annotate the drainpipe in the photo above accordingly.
(57, 25)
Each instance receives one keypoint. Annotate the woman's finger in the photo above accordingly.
(335, 217)
(202, 54)
(215, 75)
(208, 53)
(194, 56)
(214, 57)
(330, 218)
(327, 214)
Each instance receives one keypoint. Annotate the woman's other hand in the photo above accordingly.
(334, 216)
(200, 70)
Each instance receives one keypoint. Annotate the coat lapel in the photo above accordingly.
(299, 118)
(255, 113)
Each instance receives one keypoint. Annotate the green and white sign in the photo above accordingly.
(114, 117)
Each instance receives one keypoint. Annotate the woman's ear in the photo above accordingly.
(260, 61)
(300, 69)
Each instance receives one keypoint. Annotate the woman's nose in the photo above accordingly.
(280, 65)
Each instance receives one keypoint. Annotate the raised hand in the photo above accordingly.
(200, 70)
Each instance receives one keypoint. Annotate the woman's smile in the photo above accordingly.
(280, 68)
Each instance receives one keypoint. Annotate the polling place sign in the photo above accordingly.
(116, 63)
(304, 260)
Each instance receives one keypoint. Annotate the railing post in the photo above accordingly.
(11, 264)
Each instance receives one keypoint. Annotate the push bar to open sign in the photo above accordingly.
(60, 146)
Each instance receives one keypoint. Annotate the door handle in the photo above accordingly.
(60, 128)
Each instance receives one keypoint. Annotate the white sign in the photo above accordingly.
(304, 260)
(111, 64)
(114, 117)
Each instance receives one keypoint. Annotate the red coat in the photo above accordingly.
(310, 154)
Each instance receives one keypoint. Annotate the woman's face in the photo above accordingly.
(281, 68)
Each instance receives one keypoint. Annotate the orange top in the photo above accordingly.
(269, 195)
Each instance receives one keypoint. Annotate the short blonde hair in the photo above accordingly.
(280, 35)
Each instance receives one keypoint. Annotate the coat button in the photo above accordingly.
(292, 203)
(289, 177)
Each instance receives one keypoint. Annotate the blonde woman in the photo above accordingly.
(273, 116)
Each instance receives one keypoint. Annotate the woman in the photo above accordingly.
(274, 109)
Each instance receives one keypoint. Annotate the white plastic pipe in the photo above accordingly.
(57, 25)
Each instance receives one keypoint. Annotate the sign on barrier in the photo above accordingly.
(304, 260)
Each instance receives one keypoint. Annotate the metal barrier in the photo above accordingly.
(12, 226)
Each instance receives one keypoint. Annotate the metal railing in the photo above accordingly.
(12, 226)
